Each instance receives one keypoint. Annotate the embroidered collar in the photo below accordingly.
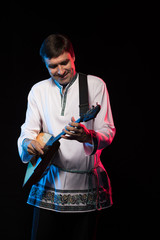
(67, 86)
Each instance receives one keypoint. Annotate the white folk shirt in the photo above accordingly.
(76, 181)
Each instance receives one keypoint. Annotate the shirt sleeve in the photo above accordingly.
(32, 126)
(103, 131)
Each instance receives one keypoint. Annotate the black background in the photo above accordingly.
(112, 41)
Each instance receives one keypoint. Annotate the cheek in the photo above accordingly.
(67, 67)
(51, 71)
(70, 66)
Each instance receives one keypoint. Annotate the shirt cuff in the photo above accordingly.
(25, 156)
(91, 149)
(88, 148)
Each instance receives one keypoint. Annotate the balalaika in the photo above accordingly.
(38, 164)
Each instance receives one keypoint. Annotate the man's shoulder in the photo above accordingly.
(42, 83)
(95, 80)
(40, 87)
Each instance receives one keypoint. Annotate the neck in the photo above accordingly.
(64, 86)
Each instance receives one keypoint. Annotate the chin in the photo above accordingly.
(64, 81)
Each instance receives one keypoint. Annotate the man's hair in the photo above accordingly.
(55, 45)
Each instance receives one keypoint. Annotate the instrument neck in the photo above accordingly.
(58, 137)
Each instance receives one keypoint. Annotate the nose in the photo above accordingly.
(60, 70)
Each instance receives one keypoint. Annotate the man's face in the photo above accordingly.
(62, 68)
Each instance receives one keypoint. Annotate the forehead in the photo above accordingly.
(59, 59)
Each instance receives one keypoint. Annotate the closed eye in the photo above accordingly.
(65, 62)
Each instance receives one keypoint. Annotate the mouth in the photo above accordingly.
(64, 76)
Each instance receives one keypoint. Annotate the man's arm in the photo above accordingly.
(27, 144)
(104, 130)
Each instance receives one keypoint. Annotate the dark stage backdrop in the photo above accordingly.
(113, 42)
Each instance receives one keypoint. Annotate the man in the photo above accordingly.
(76, 181)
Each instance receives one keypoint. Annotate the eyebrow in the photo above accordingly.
(61, 63)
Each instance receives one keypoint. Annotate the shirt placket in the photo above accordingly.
(63, 100)
(64, 95)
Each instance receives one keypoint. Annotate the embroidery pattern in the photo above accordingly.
(67, 200)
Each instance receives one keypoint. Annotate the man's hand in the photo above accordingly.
(77, 131)
(33, 147)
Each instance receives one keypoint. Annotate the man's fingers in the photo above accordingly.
(69, 132)
(74, 124)
(73, 119)
(34, 147)
(72, 129)
(38, 148)
(69, 137)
